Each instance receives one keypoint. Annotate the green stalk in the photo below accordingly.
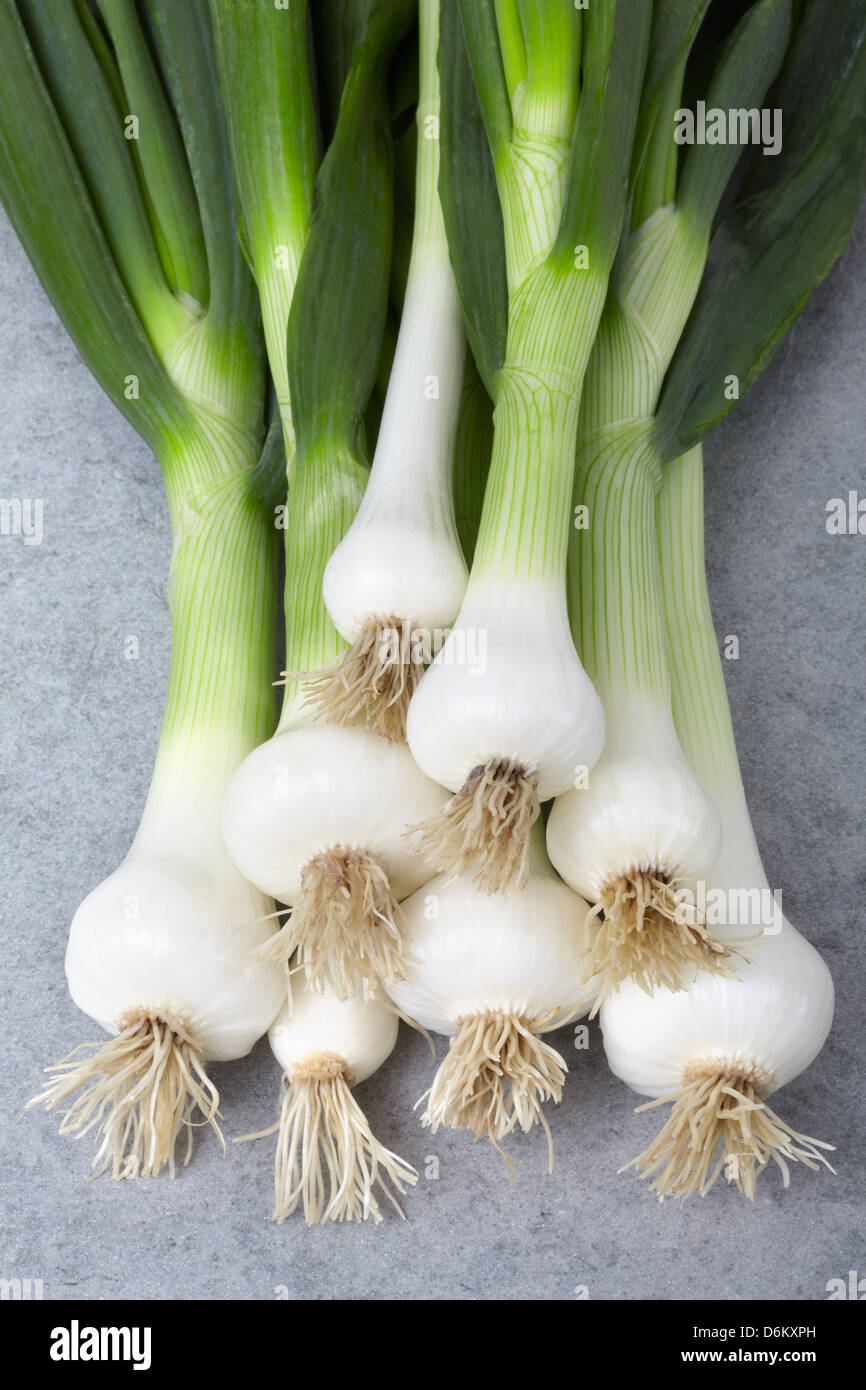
(702, 714)
(94, 129)
(613, 574)
(334, 340)
(675, 27)
(469, 197)
(657, 183)
(322, 282)
(472, 457)
(613, 570)
(614, 596)
(700, 702)
(222, 599)
(224, 350)
(561, 172)
(197, 396)
(166, 176)
(325, 490)
(547, 104)
(512, 47)
(262, 55)
(523, 533)
(46, 198)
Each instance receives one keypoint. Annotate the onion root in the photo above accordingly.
(346, 925)
(497, 1075)
(720, 1122)
(641, 938)
(490, 816)
(371, 685)
(139, 1093)
(328, 1158)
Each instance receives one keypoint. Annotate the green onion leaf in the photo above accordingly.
(470, 202)
(340, 303)
(478, 21)
(614, 57)
(793, 220)
(50, 207)
(95, 130)
(159, 148)
(267, 480)
(674, 28)
(183, 37)
(748, 64)
(262, 55)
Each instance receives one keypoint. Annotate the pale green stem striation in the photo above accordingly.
(524, 522)
(325, 490)
(700, 702)
(222, 588)
(614, 577)
(615, 583)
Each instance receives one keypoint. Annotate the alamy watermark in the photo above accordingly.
(853, 1288)
(737, 126)
(846, 516)
(759, 908)
(406, 645)
(22, 516)
(22, 1290)
(77, 1343)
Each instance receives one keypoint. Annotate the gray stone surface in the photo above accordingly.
(79, 725)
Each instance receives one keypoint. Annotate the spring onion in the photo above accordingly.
(394, 584)
(494, 974)
(328, 1161)
(643, 822)
(719, 1049)
(558, 95)
(136, 248)
(316, 815)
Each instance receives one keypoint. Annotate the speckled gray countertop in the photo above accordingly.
(78, 730)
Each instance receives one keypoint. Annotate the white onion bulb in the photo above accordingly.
(718, 1049)
(494, 974)
(328, 1160)
(317, 817)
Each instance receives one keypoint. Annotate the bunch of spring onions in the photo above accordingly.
(431, 289)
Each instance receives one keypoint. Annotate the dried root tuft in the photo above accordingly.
(328, 1158)
(139, 1093)
(346, 925)
(497, 1075)
(720, 1122)
(491, 815)
(372, 684)
(643, 937)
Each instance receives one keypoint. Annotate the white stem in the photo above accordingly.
(401, 558)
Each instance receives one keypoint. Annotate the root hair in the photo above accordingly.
(139, 1092)
(721, 1123)
(496, 1077)
(490, 816)
(328, 1160)
(346, 925)
(371, 686)
(642, 937)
